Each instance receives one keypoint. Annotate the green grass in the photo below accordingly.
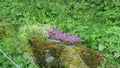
(97, 22)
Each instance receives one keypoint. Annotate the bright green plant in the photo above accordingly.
(95, 21)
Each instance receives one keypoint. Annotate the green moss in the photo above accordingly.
(6, 30)
(70, 58)
(89, 55)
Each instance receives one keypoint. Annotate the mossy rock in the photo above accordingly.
(44, 50)
(75, 56)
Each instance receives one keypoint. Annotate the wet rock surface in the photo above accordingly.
(54, 53)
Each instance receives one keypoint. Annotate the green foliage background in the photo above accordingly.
(95, 21)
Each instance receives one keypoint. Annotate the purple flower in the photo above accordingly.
(54, 32)
(63, 36)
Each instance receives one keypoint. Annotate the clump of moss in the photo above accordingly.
(92, 58)
(6, 31)
(70, 58)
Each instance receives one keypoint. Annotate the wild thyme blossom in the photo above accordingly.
(55, 33)
(63, 36)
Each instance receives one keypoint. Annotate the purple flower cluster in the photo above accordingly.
(63, 36)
